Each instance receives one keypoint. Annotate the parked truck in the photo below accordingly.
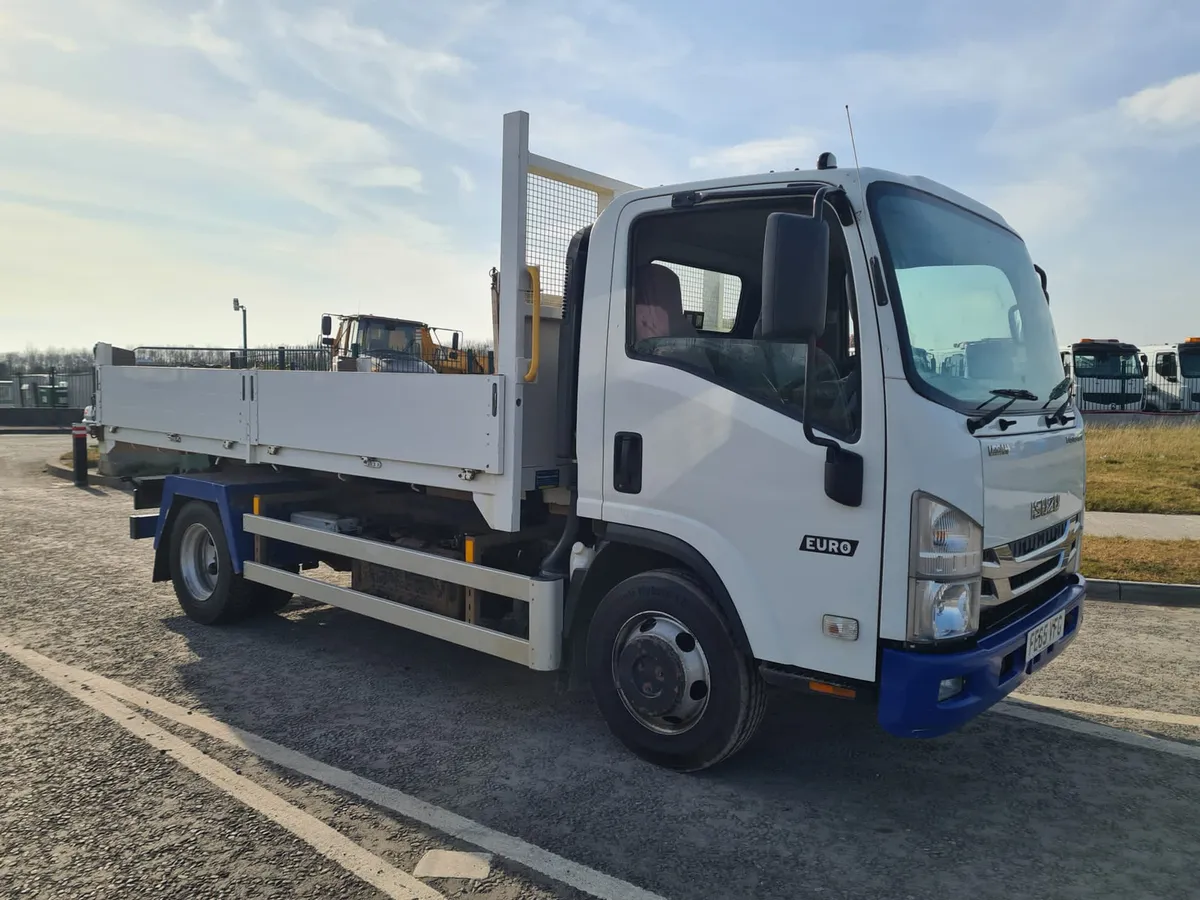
(1172, 376)
(673, 508)
(370, 343)
(1109, 375)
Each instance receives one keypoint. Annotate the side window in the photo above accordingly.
(1164, 365)
(695, 297)
(710, 298)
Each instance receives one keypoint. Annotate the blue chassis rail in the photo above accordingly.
(231, 492)
(993, 669)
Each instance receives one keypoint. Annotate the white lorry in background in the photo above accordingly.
(1173, 376)
(707, 459)
(1108, 375)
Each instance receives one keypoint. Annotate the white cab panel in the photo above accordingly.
(932, 451)
(1022, 472)
(741, 484)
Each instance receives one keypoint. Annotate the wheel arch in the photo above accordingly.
(625, 551)
(178, 492)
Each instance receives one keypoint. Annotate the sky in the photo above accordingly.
(161, 157)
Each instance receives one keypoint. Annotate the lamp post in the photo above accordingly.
(245, 346)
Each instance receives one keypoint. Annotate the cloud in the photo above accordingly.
(466, 182)
(142, 286)
(759, 155)
(333, 153)
(1175, 103)
(11, 30)
(298, 149)
(389, 176)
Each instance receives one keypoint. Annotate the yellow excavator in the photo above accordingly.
(370, 343)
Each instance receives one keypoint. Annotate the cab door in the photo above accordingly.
(703, 433)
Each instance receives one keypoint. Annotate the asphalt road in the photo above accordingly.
(822, 804)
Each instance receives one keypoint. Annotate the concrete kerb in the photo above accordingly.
(62, 470)
(1145, 592)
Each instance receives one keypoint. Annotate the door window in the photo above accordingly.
(695, 296)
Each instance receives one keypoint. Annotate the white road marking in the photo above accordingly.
(1094, 729)
(453, 864)
(329, 843)
(576, 875)
(1114, 712)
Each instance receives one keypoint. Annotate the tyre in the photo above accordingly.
(668, 676)
(202, 570)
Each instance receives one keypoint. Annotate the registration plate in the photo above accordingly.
(1044, 635)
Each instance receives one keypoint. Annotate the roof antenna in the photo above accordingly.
(862, 197)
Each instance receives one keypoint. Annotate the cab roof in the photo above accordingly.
(846, 178)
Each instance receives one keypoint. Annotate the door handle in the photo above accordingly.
(627, 463)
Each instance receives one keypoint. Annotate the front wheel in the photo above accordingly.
(667, 674)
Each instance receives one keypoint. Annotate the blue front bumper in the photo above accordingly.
(908, 680)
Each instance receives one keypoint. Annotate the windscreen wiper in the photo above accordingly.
(1058, 391)
(1059, 415)
(1013, 395)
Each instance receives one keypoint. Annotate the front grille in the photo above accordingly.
(1028, 544)
(1108, 398)
(994, 618)
(1019, 581)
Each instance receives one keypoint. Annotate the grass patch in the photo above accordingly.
(1144, 468)
(93, 456)
(1129, 559)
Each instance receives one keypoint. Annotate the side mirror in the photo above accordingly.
(326, 325)
(454, 341)
(795, 285)
(1042, 276)
(795, 277)
(326, 342)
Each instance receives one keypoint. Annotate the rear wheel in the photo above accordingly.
(208, 589)
(667, 674)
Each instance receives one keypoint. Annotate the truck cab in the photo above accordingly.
(1173, 376)
(1109, 375)
(371, 343)
(877, 505)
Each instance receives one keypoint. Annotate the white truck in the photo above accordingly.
(1109, 375)
(707, 460)
(1173, 376)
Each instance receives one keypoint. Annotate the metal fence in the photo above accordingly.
(1171, 391)
(419, 357)
(313, 358)
(49, 390)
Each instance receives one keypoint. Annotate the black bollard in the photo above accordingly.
(79, 453)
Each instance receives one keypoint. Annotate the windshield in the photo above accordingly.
(1189, 363)
(381, 336)
(971, 310)
(1100, 363)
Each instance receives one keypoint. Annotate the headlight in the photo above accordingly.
(945, 569)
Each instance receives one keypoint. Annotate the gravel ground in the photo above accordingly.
(822, 804)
